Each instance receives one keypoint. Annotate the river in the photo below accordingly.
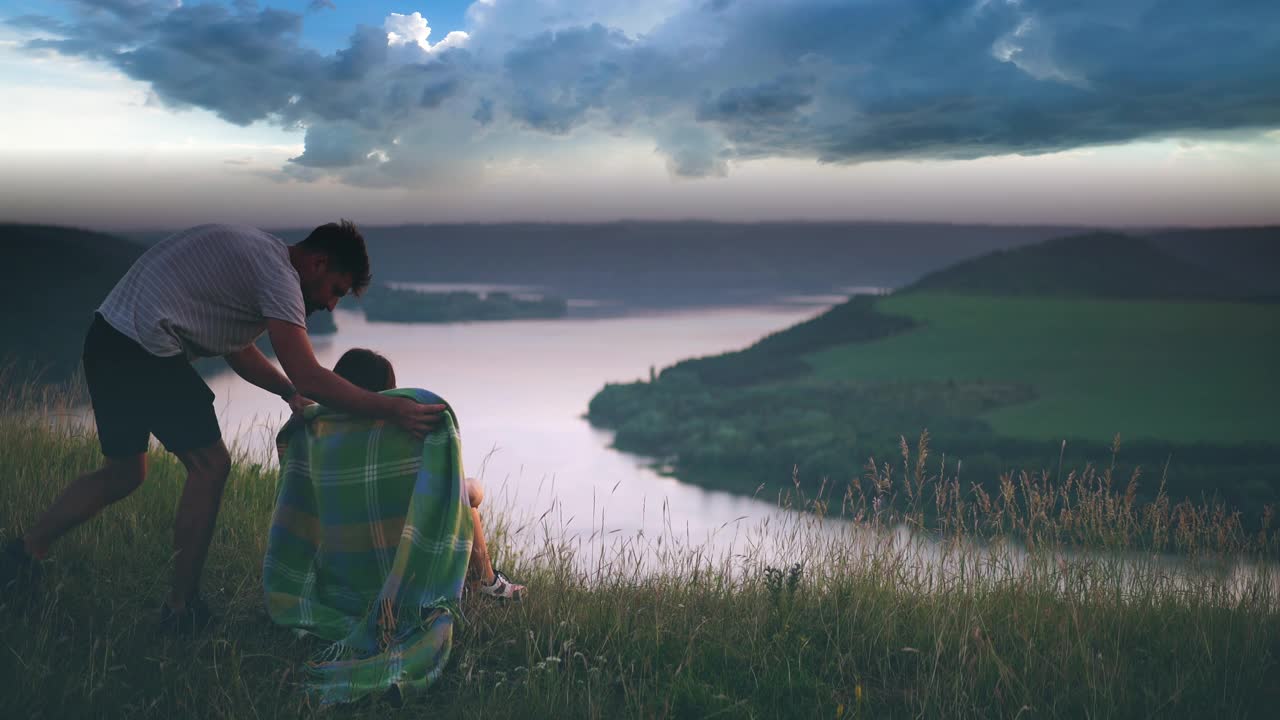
(521, 389)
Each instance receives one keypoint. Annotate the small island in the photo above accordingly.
(384, 303)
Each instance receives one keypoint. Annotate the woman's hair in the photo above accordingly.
(366, 369)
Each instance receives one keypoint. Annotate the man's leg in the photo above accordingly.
(115, 369)
(84, 498)
(207, 471)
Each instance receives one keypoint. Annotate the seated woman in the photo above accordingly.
(373, 372)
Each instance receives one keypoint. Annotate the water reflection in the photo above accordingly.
(748, 546)
(520, 390)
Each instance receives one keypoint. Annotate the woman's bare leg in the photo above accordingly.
(480, 567)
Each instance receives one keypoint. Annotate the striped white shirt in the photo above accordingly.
(206, 291)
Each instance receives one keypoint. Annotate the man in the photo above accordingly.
(207, 291)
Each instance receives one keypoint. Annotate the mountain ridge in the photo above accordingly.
(1099, 264)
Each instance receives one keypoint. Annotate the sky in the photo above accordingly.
(145, 114)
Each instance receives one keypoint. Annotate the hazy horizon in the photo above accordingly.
(1069, 227)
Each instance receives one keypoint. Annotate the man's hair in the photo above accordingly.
(366, 369)
(344, 245)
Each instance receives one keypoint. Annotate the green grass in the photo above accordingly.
(1188, 372)
(855, 629)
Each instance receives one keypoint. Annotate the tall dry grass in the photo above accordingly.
(901, 593)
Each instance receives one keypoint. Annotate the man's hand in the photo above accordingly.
(417, 419)
(297, 403)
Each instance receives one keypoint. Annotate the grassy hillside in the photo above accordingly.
(57, 277)
(1187, 372)
(860, 619)
(781, 354)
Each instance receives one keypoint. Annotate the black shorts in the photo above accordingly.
(136, 394)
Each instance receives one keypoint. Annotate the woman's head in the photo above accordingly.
(366, 369)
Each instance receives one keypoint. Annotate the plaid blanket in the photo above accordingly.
(368, 549)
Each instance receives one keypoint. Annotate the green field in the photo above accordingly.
(1186, 372)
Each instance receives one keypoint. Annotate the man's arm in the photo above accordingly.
(293, 349)
(254, 367)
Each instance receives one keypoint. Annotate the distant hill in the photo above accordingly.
(673, 264)
(56, 277)
(1247, 257)
(1100, 264)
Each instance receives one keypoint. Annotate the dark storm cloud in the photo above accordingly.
(38, 22)
(367, 52)
(484, 112)
(438, 92)
(717, 80)
(335, 146)
(778, 99)
(557, 78)
(131, 10)
(244, 66)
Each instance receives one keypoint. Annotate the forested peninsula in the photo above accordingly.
(1098, 349)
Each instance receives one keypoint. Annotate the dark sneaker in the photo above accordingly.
(502, 588)
(192, 619)
(18, 570)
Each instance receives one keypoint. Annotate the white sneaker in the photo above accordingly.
(502, 588)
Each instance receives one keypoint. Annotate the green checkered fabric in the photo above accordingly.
(368, 549)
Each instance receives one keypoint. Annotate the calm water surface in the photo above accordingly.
(521, 389)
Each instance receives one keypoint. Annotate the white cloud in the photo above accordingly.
(404, 29)
(414, 30)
